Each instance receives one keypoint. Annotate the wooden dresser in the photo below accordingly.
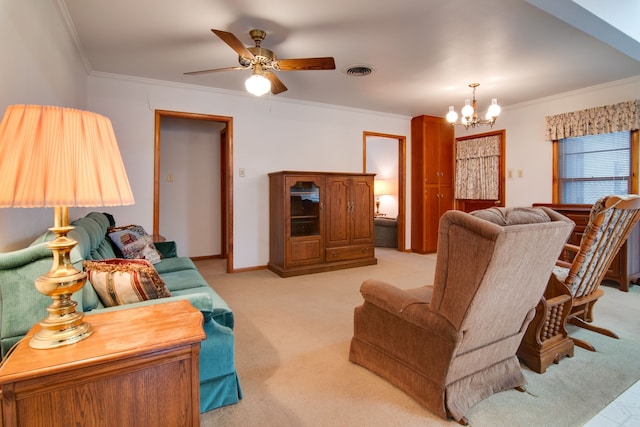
(320, 221)
(139, 367)
(625, 267)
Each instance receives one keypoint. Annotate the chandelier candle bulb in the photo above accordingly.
(470, 112)
(452, 116)
(467, 110)
(494, 108)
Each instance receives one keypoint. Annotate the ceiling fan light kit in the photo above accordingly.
(263, 62)
(257, 84)
(470, 112)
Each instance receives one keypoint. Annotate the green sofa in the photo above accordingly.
(22, 306)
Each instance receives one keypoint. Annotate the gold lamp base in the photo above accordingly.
(45, 338)
(64, 325)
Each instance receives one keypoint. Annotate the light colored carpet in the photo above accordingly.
(292, 345)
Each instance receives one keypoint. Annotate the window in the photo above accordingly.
(593, 166)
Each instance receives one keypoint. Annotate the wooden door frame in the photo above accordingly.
(402, 179)
(501, 163)
(226, 176)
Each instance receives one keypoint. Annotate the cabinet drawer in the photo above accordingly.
(349, 252)
(304, 251)
(581, 220)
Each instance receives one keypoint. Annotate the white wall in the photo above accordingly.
(190, 209)
(269, 134)
(39, 65)
(526, 148)
(382, 159)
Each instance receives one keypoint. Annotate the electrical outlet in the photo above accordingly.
(170, 178)
(241, 172)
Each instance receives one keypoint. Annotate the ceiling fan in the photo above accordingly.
(264, 61)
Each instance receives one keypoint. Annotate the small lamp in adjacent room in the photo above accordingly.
(60, 158)
(381, 187)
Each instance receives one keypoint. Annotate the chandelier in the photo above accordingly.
(470, 112)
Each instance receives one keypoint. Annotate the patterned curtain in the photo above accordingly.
(594, 121)
(477, 168)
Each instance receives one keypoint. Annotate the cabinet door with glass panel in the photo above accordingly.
(304, 224)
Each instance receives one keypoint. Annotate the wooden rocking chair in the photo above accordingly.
(574, 288)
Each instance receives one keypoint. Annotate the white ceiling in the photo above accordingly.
(425, 52)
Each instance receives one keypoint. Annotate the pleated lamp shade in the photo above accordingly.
(381, 187)
(60, 157)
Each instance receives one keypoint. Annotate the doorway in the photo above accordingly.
(222, 162)
(395, 174)
(480, 171)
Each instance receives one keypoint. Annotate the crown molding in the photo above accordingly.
(242, 94)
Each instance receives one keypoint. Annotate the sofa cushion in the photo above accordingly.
(82, 250)
(385, 232)
(101, 246)
(167, 249)
(209, 303)
(89, 297)
(134, 243)
(21, 305)
(168, 265)
(103, 251)
(93, 228)
(119, 281)
(184, 279)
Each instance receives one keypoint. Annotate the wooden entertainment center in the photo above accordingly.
(320, 221)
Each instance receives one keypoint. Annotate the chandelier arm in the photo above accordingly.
(472, 120)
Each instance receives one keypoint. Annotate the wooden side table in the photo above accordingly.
(139, 367)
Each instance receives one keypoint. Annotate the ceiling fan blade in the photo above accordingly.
(326, 63)
(234, 43)
(214, 70)
(276, 84)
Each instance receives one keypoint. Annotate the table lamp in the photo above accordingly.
(60, 157)
(381, 187)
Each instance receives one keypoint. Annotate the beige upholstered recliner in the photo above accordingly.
(453, 344)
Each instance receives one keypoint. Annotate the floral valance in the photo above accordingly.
(477, 168)
(593, 121)
(487, 146)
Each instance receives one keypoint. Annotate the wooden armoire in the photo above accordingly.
(320, 221)
(432, 173)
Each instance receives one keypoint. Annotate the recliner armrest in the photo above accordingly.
(388, 297)
(409, 307)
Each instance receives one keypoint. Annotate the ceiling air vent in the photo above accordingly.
(358, 70)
